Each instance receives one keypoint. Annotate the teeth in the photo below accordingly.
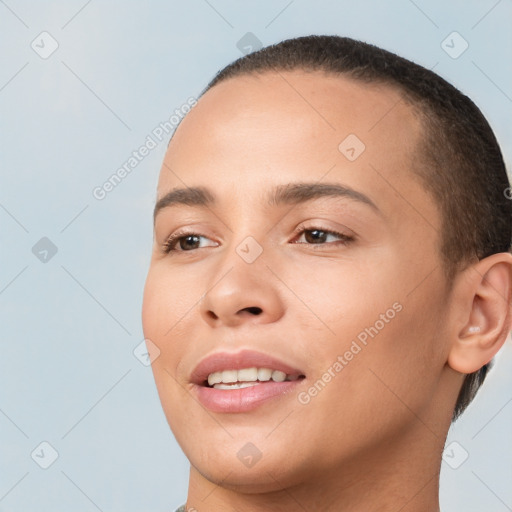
(246, 377)
(264, 374)
(238, 385)
(214, 378)
(229, 376)
(278, 376)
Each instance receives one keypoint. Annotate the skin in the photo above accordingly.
(372, 439)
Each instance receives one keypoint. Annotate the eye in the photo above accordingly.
(315, 235)
(188, 241)
(185, 241)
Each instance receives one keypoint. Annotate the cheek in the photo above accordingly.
(378, 387)
(166, 302)
(395, 361)
(341, 298)
(379, 339)
(149, 318)
(167, 313)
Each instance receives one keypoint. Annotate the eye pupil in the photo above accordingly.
(316, 237)
(187, 239)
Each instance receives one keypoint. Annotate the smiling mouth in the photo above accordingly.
(247, 377)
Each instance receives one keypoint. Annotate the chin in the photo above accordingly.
(263, 477)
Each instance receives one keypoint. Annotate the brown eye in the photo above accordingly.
(188, 242)
(183, 242)
(319, 236)
(315, 236)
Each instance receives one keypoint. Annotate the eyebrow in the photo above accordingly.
(290, 194)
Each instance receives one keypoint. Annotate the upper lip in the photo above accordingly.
(220, 361)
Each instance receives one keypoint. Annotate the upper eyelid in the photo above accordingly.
(301, 228)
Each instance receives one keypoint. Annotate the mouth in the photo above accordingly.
(241, 381)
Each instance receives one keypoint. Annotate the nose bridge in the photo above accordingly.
(242, 286)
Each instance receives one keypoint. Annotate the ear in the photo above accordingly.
(484, 313)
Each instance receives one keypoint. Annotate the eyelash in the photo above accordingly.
(170, 243)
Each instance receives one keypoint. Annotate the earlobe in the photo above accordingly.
(487, 316)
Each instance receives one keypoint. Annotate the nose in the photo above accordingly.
(242, 293)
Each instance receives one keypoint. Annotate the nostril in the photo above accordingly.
(254, 310)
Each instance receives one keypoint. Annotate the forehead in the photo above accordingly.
(279, 127)
(252, 110)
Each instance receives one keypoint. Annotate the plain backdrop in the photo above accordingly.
(73, 266)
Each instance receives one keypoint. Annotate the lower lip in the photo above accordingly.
(245, 399)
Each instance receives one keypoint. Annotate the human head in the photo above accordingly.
(249, 134)
(459, 161)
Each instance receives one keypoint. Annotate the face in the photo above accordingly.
(313, 254)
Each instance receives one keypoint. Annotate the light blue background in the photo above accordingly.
(68, 327)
